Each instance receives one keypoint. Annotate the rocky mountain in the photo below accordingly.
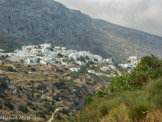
(25, 22)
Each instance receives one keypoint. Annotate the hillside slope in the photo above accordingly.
(133, 97)
(34, 21)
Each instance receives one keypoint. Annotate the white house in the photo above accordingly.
(132, 59)
(43, 62)
(112, 66)
(101, 61)
(104, 68)
(31, 61)
(46, 45)
(75, 69)
(108, 60)
(91, 71)
(81, 63)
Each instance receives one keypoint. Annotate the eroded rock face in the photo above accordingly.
(34, 21)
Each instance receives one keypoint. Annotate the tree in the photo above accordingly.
(87, 58)
(83, 69)
(81, 59)
(9, 105)
(121, 83)
(59, 55)
(33, 69)
(149, 67)
(10, 68)
(38, 60)
(23, 108)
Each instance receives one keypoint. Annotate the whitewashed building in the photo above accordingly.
(75, 69)
(104, 68)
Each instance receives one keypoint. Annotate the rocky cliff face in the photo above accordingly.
(34, 21)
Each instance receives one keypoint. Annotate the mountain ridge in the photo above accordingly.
(34, 21)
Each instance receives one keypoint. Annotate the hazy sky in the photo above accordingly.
(143, 15)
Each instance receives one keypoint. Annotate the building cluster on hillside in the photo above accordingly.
(132, 63)
(48, 54)
(110, 67)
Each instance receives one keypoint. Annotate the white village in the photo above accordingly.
(46, 54)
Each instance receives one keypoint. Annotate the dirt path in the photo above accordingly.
(51, 119)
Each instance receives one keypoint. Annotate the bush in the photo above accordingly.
(150, 67)
(139, 112)
(31, 105)
(32, 81)
(154, 88)
(121, 83)
(33, 69)
(10, 68)
(89, 100)
(41, 114)
(29, 66)
(50, 108)
(59, 55)
(9, 105)
(1, 106)
(59, 84)
(3, 84)
(74, 75)
(38, 60)
(104, 110)
(93, 67)
(83, 69)
(58, 116)
(23, 108)
(81, 59)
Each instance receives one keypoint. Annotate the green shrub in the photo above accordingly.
(83, 69)
(81, 59)
(3, 84)
(33, 69)
(23, 108)
(58, 116)
(38, 60)
(158, 101)
(93, 67)
(41, 114)
(50, 108)
(121, 83)
(10, 68)
(154, 88)
(89, 100)
(71, 84)
(29, 66)
(107, 72)
(31, 105)
(9, 105)
(59, 55)
(101, 93)
(104, 110)
(1, 106)
(150, 67)
(139, 112)
(32, 81)
(87, 58)
(74, 75)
